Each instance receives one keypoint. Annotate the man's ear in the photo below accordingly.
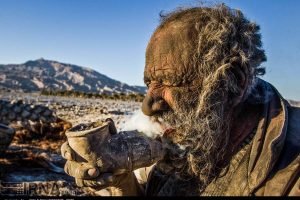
(239, 75)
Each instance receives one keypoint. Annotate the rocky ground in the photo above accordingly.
(79, 110)
(35, 167)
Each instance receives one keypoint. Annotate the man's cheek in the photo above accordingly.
(171, 97)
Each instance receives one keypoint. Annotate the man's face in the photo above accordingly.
(174, 90)
(168, 71)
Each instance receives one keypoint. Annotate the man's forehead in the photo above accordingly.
(168, 54)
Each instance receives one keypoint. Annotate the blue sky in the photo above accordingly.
(110, 36)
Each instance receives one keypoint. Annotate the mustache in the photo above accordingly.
(202, 138)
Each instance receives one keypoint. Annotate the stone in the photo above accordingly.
(25, 114)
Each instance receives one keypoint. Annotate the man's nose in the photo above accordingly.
(153, 106)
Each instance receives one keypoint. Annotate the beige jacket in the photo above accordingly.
(270, 164)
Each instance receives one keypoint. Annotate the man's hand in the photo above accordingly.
(90, 171)
(84, 173)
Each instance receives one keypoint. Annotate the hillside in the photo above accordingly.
(41, 74)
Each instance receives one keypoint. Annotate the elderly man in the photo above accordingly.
(237, 135)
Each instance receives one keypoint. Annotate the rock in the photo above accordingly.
(4, 111)
(43, 119)
(11, 116)
(34, 117)
(25, 114)
(38, 109)
(17, 109)
(47, 112)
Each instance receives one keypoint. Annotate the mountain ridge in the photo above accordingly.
(40, 74)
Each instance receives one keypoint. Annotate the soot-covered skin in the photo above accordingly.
(169, 71)
(195, 48)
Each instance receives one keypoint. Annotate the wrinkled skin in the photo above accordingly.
(173, 95)
(168, 70)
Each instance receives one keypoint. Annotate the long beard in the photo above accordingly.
(202, 134)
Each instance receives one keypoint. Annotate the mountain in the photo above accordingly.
(35, 75)
(294, 103)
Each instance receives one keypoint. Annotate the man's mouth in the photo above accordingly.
(166, 129)
(169, 132)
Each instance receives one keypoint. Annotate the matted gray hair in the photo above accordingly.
(223, 39)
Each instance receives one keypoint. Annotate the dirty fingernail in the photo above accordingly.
(93, 172)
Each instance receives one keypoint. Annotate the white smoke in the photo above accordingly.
(144, 124)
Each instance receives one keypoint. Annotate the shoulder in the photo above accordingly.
(294, 123)
(291, 147)
(284, 177)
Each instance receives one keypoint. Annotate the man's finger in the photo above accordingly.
(103, 181)
(81, 170)
(67, 152)
(85, 183)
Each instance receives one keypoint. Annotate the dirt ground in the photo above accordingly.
(35, 168)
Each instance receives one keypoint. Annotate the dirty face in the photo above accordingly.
(175, 86)
(169, 72)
